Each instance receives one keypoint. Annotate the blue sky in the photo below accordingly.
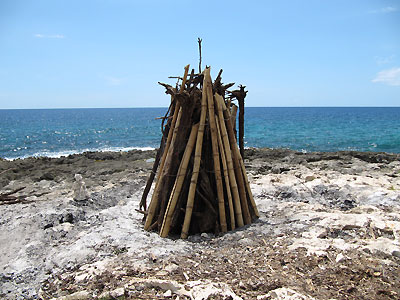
(111, 53)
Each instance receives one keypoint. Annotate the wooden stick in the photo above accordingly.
(241, 125)
(166, 171)
(197, 157)
(238, 170)
(240, 95)
(226, 174)
(217, 166)
(174, 124)
(177, 150)
(153, 226)
(2, 172)
(207, 201)
(246, 180)
(13, 191)
(154, 199)
(170, 134)
(228, 154)
(229, 104)
(184, 79)
(175, 117)
(199, 40)
(143, 202)
(179, 211)
(9, 198)
(234, 109)
(166, 225)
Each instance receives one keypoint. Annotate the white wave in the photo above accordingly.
(124, 149)
(70, 152)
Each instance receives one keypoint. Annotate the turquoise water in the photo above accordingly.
(56, 132)
(325, 129)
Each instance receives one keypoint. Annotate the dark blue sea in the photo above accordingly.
(57, 132)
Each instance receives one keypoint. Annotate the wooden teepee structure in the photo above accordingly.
(202, 184)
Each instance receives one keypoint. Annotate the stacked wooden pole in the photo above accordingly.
(202, 185)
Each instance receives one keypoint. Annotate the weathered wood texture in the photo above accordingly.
(240, 94)
(202, 185)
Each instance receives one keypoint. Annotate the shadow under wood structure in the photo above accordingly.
(201, 185)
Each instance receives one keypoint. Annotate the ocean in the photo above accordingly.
(58, 132)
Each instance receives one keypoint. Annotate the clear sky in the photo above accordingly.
(111, 53)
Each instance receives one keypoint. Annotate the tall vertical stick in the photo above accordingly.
(246, 180)
(154, 198)
(175, 122)
(238, 170)
(197, 158)
(233, 117)
(240, 95)
(241, 126)
(217, 165)
(178, 182)
(199, 40)
(226, 175)
(231, 172)
(152, 175)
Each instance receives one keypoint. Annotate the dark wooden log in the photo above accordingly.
(189, 81)
(240, 95)
(12, 192)
(241, 126)
(197, 79)
(168, 89)
(227, 86)
(10, 198)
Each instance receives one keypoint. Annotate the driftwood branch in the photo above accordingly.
(168, 89)
(240, 95)
(4, 171)
(199, 40)
(10, 198)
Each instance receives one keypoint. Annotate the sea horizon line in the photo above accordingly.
(152, 107)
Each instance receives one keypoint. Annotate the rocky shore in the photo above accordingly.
(329, 229)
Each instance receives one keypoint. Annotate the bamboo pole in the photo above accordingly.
(154, 198)
(152, 174)
(197, 157)
(226, 176)
(184, 79)
(238, 170)
(228, 153)
(170, 134)
(228, 104)
(217, 166)
(167, 167)
(246, 180)
(174, 124)
(166, 225)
